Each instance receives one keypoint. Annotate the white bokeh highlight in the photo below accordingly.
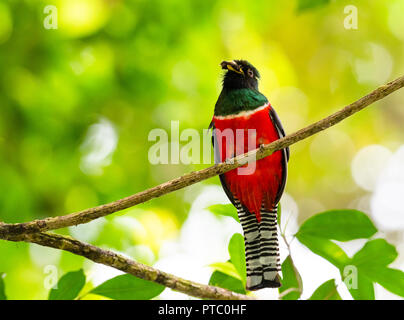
(376, 68)
(387, 201)
(43, 256)
(368, 164)
(98, 147)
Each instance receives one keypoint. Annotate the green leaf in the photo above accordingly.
(224, 210)
(291, 279)
(374, 253)
(364, 289)
(304, 5)
(345, 225)
(390, 279)
(325, 248)
(128, 287)
(341, 225)
(372, 261)
(225, 281)
(68, 286)
(226, 268)
(2, 287)
(327, 291)
(237, 255)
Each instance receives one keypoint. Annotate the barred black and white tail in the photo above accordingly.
(261, 248)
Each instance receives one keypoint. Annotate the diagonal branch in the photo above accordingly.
(33, 231)
(127, 265)
(84, 216)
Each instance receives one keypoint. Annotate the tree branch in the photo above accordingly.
(33, 231)
(127, 265)
(84, 216)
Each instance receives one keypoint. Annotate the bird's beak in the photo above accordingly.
(231, 65)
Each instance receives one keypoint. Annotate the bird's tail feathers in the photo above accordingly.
(261, 248)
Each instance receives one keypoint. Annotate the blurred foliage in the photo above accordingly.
(369, 265)
(2, 289)
(77, 104)
(68, 286)
(225, 210)
(122, 287)
(327, 291)
(310, 4)
(128, 287)
(291, 280)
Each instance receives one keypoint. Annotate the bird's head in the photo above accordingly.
(240, 74)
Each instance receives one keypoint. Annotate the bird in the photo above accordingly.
(244, 112)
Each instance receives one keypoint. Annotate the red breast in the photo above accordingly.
(262, 184)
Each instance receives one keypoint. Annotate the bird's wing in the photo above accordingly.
(217, 158)
(278, 125)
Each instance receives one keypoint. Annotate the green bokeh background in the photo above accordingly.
(136, 65)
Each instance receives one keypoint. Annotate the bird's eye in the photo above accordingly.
(250, 73)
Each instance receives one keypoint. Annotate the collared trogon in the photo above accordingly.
(246, 114)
